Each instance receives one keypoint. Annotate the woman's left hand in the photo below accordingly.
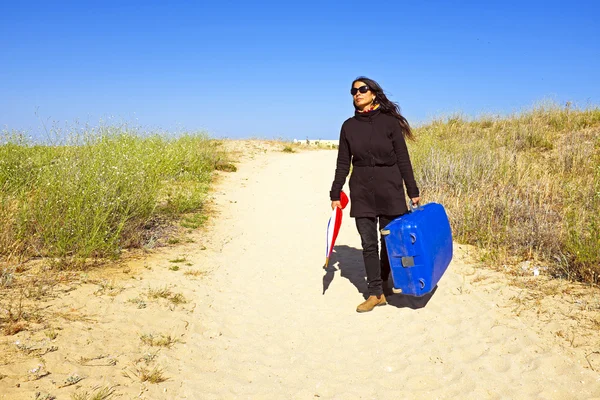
(415, 200)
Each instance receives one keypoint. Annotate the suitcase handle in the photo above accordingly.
(413, 207)
(413, 237)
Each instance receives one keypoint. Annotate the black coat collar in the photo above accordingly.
(367, 116)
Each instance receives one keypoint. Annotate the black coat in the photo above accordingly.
(374, 144)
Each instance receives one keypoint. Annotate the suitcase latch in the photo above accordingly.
(408, 262)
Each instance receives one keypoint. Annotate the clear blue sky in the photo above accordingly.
(283, 68)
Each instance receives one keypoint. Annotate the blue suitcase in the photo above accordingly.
(419, 247)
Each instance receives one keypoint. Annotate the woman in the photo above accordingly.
(374, 142)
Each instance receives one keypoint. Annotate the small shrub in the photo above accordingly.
(522, 187)
(225, 166)
(165, 293)
(51, 334)
(96, 192)
(145, 374)
(160, 341)
(138, 302)
(195, 273)
(12, 328)
(97, 393)
(178, 299)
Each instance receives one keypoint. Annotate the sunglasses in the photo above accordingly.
(362, 89)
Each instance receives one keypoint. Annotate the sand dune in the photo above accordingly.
(267, 322)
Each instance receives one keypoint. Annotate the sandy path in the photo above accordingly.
(269, 323)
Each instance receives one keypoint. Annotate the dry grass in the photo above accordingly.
(44, 396)
(222, 165)
(51, 334)
(21, 293)
(154, 375)
(97, 393)
(140, 303)
(178, 298)
(195, 273)
(525, 187)
(158, 293)
(166, 293)
(108, 287)
(13, 328)
(145, 374)
(97, 361)
(161, 340)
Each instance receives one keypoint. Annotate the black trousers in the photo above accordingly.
(377, 268)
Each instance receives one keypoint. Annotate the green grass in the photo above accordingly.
(101, 192)
(521, 187)
(193, 221)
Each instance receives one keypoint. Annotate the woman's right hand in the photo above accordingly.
(335, 204)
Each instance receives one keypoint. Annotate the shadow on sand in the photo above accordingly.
(350, 264)
(351, 267)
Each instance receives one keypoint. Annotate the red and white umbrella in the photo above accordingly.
(333, 226)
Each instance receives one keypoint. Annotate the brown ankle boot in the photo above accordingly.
(371, 303)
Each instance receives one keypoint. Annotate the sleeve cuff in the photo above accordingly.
(414, 194)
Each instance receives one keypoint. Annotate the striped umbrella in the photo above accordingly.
(333, 226)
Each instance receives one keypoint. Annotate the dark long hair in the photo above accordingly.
(387, 106)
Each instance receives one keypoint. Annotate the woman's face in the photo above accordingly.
(362, 100)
